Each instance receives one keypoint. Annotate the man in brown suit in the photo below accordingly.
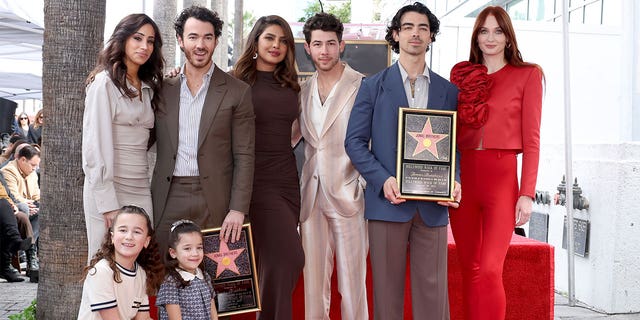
(205, 137)
(332, 208)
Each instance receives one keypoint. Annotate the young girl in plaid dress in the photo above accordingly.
(187, 291)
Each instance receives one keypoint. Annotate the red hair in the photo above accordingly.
(511, 52)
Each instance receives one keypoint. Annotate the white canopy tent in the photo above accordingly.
(21, 36)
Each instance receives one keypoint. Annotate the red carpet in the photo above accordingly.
(528, 278)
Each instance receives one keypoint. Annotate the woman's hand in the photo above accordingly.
(108, 218)
(173, 73)
(523, 210)
(457, 196)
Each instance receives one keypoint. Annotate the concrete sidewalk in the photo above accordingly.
(15, 297)
(563, 311)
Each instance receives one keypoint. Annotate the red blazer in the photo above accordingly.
(514, 111)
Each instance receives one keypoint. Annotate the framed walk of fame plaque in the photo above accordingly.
(232, 267)
(425, 168)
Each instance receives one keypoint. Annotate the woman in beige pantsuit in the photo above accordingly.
(118, 118)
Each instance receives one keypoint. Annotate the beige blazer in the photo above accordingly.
(226, 139)
(22, 188)
(327, 165)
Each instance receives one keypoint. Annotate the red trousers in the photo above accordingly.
(482, 227)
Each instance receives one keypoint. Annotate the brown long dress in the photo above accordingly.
(275, 203)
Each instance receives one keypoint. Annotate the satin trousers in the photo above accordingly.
(482, 228)
(324, 234)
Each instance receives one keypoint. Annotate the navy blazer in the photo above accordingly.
(374, 118)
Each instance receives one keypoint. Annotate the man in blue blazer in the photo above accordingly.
(371, 143)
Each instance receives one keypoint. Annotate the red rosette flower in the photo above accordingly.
(472, 115)
(474, 84)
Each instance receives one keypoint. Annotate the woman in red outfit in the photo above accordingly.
(499, 109)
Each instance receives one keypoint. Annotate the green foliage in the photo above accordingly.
(312, 8)
(343, 11)
(27, 314)
(248, 19)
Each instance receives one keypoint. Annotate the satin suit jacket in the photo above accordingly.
(374, 119)
(226, 139)
(327, 166)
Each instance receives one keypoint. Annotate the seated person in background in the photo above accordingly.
(10, 239)
(14, 141)
(35, 129)
(22, 184)
(23, 125)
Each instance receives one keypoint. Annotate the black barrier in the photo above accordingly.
(7, 115)
(365, 56)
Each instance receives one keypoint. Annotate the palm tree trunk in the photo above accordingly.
(189, 3)
(164, 14)
(220, 55)
(238, 24)
(72, 38)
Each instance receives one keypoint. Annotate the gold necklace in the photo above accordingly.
(322, 93)
(412, 83)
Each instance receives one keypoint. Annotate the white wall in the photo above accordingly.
(609, 277)
(605, 160)
(599, 102)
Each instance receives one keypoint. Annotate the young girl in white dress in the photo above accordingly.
(187, 292)
(125, 271)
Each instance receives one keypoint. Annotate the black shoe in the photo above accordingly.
(10, 275)
(34, 276)
(33, 264)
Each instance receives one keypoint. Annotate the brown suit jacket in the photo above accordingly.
(326, 164)
(225, 146)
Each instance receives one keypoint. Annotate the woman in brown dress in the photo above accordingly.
(267, 64)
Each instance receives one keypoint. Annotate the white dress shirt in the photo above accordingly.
(420, 95)
(189, 125)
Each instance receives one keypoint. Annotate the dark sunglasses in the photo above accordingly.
(24, 118)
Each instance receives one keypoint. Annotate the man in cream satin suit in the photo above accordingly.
(332, 210)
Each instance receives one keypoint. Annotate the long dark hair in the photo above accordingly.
(36, 123)
(179, 228)
(23, 115)
(285, 73)
(148, 259)
(111, 58)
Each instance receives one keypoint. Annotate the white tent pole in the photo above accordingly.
(568, 152)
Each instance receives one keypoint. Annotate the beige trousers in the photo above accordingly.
(324, 234)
